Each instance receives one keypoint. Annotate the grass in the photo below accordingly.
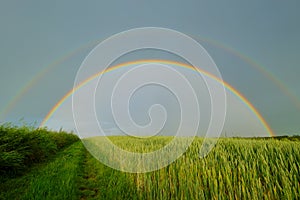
(56, 179)
(235, 169)
(97, 181)
(20, 147)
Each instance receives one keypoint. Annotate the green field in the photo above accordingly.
(59, 168)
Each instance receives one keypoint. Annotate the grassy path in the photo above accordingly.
(97, 181)
(56, 179)
(72, 174)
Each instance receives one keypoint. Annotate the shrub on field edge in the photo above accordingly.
(20, 147)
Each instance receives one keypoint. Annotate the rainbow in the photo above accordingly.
(38, 77)
(284, 88)
(138, 62)
(31, 83)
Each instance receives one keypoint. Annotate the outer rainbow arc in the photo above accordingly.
(266, 73)
(23, 90)
(282, 87)
(227, 86)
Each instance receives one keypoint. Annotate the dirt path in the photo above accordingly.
(97, 181)
(87, 181)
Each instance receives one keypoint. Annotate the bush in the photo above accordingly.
(62, 139)
(20, 147)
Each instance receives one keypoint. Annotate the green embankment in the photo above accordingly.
(56, 179)
(21, 147)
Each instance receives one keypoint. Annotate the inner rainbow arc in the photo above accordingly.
(184, 65)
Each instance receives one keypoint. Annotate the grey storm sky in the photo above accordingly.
(35, 34)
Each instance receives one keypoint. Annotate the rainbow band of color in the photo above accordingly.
(270, 76)
(138, 62)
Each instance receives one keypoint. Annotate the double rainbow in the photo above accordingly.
(179, 64)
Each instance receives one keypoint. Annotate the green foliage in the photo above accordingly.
(56, 179)
(63, 139)
(97, 181)
(20, 147)
(234, 169)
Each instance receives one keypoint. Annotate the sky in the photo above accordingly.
(255, 45)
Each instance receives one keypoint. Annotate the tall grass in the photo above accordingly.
(56, 179)
(234, 169)
(97, 181)
(20, 147)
